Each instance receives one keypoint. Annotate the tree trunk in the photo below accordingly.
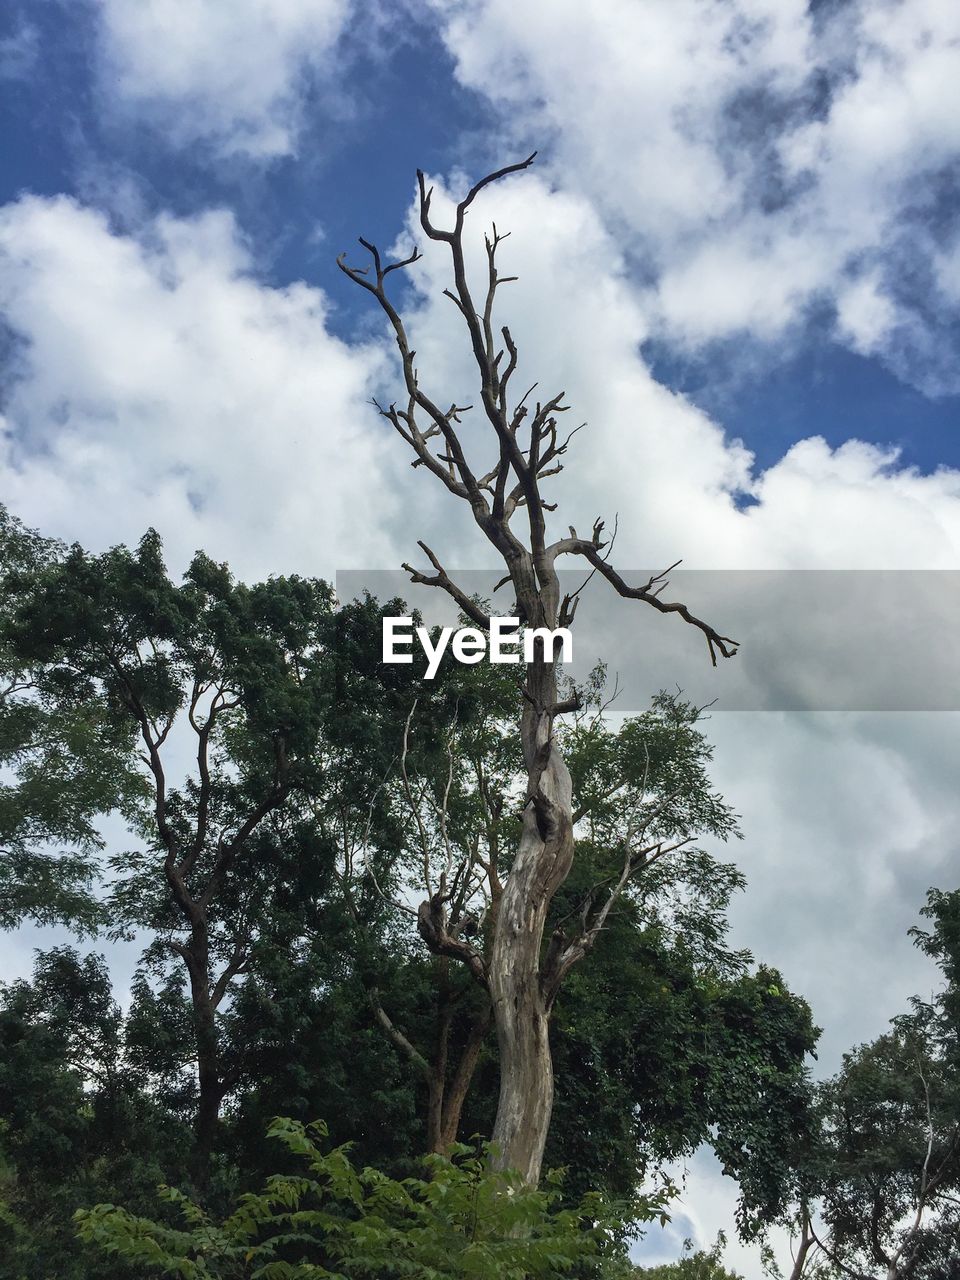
(445, 1098)
(437, 1079)
(803, 1247)
(208, 1052)
(526, 1073)
(456, 1092)
(522, 1013)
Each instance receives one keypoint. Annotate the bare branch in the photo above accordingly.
(426, 195)
(432, 927)
(442, 579)
(649, 593)
(396, 1036)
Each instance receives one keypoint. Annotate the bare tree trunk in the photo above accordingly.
(521, 1009)
(804, 1245)
(526, 1068)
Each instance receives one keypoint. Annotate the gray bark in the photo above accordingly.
(521, 1008)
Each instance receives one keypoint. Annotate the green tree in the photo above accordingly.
(880, 1188)
(77, 1125)
(66, 763)
(254, 729)
(326, 794)
(704, 1264)
(240, 671)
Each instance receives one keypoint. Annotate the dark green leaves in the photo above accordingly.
(333, 1222)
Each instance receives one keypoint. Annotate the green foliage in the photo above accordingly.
(661, 755)
(315, 1044)
(66, 759)
(880, 1172)
(888, 1138)
(77, 1125)
(942, 944)
(461, 1222)
(704, 1264)
(298, 837)
(656, 1053)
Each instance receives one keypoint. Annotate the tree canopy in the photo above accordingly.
(281, 793)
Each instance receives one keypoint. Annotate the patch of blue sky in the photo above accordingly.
(397, 108)
(397, 105)
(770, 397)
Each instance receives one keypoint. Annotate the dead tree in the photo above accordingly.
(527, 448)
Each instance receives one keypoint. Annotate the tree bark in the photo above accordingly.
(445, 1098)
(456, 1092)
(521, 1011)
(209, 1076)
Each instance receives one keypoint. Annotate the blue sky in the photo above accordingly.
(738, 252)
(356, 156)
(394, 103)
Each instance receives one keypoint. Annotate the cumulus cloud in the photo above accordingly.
(757, 157)
(234, 75)
(649, 454)
(156, 381)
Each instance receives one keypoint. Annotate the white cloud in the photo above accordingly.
(634, 91)
(865, 314)
(757, 160)
(160, 383)
(648, 453)
(231, 74)
(752, 155)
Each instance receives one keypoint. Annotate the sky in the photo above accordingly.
(738, 254)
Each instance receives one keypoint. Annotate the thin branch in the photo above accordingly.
(649, 593)
(442, 579)
(396, 1036)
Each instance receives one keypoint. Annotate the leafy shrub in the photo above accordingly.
(463, 1221)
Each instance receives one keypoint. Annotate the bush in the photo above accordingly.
(462, 1221)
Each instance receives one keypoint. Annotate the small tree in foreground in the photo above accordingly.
(463, 1221)
(524, 449)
